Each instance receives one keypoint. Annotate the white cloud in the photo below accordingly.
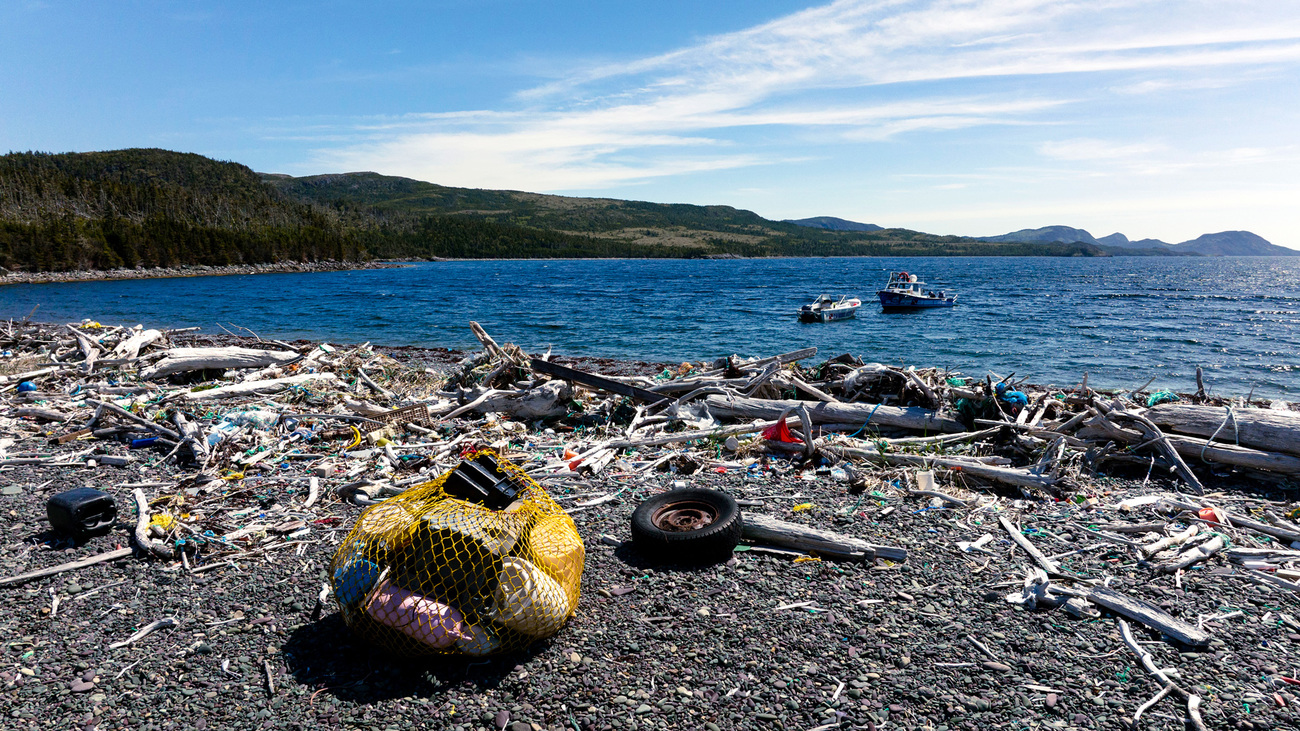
(861, 70)
(1090, 149)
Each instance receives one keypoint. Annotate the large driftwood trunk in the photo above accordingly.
(179, 360)
(1264, 429)
(830, 413)
(252, 387)
(547, 400)
(1193, 449)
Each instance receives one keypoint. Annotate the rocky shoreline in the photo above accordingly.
(95, 275)
(770, 639)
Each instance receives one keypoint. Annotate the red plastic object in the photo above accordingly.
(779, 432)
(1208, 515)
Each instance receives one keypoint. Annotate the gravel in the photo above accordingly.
(903, 662)
(651, 647)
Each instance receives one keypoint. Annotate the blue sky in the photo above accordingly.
(1160, 118)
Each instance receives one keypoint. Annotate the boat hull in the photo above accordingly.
(835, 315)
(898, 301)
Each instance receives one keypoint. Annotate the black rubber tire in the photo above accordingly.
(710, 543)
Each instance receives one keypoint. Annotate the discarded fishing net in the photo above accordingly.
(478, 561)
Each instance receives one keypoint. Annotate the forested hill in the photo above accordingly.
(402, 205)
(148, 207)
(102, 210)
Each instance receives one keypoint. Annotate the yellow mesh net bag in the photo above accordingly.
(480, 560)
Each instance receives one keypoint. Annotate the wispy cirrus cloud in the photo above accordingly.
(850, 72)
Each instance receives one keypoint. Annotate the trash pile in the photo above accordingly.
(226, 423)
(467, 472)
(479, 561)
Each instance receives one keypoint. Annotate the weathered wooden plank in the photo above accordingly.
(766, 529)
(595, 381)
(1148, 614)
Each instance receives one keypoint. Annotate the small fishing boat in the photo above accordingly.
(827, 309)
(905, 292)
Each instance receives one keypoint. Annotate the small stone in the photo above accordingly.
(703, 611)
(1051, 700)
(11, 490)
(996, 666)
(642, 709)
(520, 726)
(81, 686)
(501, 719)
(89, 676)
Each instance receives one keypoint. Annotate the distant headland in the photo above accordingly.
(147, 209)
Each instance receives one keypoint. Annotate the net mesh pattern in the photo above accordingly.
(429, 573)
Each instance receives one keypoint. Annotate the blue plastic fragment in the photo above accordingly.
(354, 579)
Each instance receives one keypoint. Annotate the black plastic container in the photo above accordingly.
(84, 511)
(482, 481)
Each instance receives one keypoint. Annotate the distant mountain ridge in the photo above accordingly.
(831, 223)
(1223, 243)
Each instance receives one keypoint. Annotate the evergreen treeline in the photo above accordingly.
(146, 207)
(130, 208)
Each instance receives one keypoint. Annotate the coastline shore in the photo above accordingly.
(198, 270)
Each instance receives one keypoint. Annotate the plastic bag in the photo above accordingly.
(437, 571)
(231, 422)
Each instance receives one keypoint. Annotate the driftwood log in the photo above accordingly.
(254, 387)
(1193, 555)
(761, 528)
(41, 414)
(130, 348)
(1005, 475)
(69, 566)
(1148, 614)
(123, 413)
(1043, 561)
(547, 400)
(1263, 429)
(180, 360)
(1195, 449)
(835, 413)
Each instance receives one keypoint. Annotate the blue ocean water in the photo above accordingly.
(1123, 320)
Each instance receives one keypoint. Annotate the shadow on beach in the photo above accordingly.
(327, 655)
